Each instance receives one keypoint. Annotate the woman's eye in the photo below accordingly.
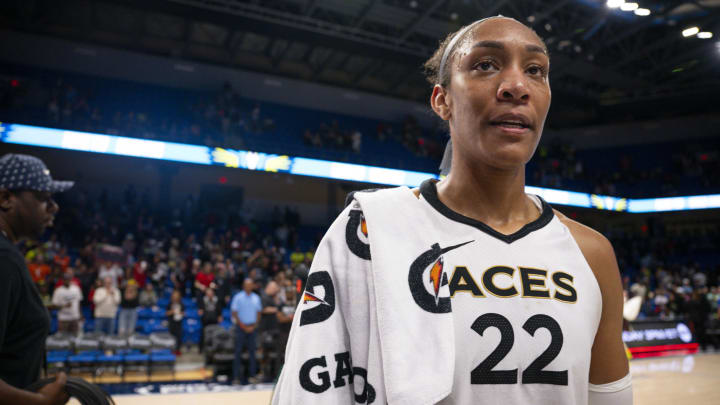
(484, 66)
(536, 70)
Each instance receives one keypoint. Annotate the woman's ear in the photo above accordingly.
(439, 101)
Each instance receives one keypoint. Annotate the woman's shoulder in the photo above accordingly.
(590, 241)
(596, 248)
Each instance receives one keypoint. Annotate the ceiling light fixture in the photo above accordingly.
(615, 3)
(629, 6)
(642, 12)
(705, 35)
(688, 32)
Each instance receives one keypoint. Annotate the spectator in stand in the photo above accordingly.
(67, 298)
(204, 280)
(111, 270)
(223, 283)
(179, 275)
(74, 280)
(356, 141)
(128, 309)
(274, 325)
(699, 310)
(285, 316)
(62, 259)
(140, 273)
(246, 307)
(39, 270)
(175, 314)
(210, 312)
(148, 297)
(106, 299)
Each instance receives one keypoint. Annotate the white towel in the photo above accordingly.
(359, 308)
(418, 347)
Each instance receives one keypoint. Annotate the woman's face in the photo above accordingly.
(499, 94)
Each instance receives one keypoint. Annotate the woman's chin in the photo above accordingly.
(509, 158)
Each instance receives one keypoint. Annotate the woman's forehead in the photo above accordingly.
(502, 30)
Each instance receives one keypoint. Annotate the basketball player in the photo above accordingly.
(26, 209)
(466, 290)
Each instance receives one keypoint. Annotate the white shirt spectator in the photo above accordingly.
(106, 302)
(67, 295)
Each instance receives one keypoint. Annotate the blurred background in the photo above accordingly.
(289, 105)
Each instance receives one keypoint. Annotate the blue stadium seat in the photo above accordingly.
(84, 361)
(154, 325)
(189, 303)
(145, 313)
(159, 313)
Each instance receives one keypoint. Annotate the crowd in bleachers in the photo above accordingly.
(117, 268)
(225, 118)
(120, 269)
(678, 168)
(676, 273)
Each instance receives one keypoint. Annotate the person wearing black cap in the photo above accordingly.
(26, 209)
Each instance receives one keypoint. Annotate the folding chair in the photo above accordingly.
(112, 356)
(222, 353)
(87, 350)
(137, 355)
(161, 355)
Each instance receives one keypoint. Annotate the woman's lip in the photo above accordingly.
(512, 130)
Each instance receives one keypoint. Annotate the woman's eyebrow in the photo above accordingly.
(500, 45)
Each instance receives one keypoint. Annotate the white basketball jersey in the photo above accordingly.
(525, 307)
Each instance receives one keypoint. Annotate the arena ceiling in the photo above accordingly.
(600, 56)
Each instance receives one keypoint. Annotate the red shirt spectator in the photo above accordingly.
(205, 278)
(140, 273)
(62, 259)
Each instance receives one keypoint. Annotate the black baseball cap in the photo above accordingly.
(25, 172)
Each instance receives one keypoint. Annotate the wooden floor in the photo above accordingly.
(689, 380)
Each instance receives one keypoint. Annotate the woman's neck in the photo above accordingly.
(493, 196)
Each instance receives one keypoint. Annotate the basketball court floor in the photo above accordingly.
(693, 379)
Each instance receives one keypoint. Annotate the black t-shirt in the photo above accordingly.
(210, 309)
(130, 303)
(268, 322)
(24, 321)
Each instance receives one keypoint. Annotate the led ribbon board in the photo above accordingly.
(249, 160)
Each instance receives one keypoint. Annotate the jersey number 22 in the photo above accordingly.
(534, 374)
